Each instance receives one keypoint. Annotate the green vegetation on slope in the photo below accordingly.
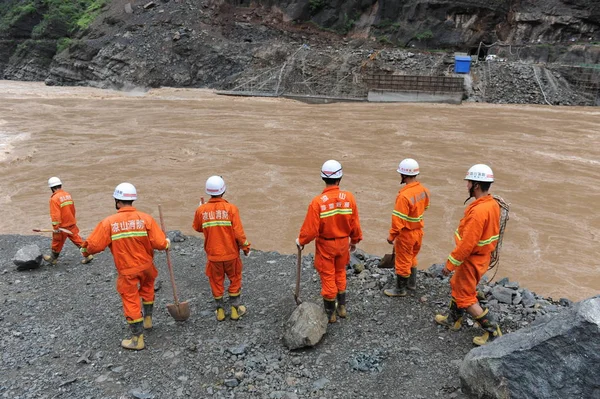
(56, 19)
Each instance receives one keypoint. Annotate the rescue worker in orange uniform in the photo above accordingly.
(224, 236)
(476, 238)
(62, 214)
(332, 221)
(132, 237)
(406, 233)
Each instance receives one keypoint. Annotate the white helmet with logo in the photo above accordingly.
(125, 192)
(480, 172)
(54, 181)
(408, 167)
(215, 185)
(332, 169)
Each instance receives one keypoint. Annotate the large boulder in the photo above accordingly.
(306, 326)
(28, 257)
(557, 358)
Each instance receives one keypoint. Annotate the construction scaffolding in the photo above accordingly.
(415, 83)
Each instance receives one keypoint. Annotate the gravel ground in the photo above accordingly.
(62, 326)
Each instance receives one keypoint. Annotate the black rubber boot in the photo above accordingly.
(492, 330)
(412, 280)
(400, 289)
(454, 319)
(341, 304)
(148, 307)
(330, 309)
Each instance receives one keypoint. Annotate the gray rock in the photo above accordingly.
(237, 350)
(502, 294)
(512, 285)
(128, 8)
(559, 358)
(139, 394)
(231, 382)
(28, 257)
(527, 298)
(565, 302)
(320, 383)
(176, 236)
(517, 299)
(435, 270)
(282, 395)
(356, 264)
(305, 327)
(503, 281)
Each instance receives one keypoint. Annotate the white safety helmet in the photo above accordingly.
(408, 167)
(125, 192)
(215, 185)
(332, 169)
(54, 181)
(480, 172)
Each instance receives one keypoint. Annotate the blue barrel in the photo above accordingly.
(462, 64)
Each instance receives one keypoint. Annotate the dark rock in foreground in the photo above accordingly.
(28, 257)
(557, 358)
(305, 327)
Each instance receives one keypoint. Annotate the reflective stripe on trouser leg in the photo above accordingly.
(127, 287)
(465, 279)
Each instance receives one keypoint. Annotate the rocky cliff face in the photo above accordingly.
(457, 23)
(224, 43)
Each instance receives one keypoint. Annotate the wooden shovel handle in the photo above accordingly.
(169, 264)
(298, 272)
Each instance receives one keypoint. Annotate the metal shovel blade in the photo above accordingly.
(387, 262)
(179, 312)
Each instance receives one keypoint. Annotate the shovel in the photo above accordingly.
(52, 231)
(180, 311)
(388, 260)
(298, 271)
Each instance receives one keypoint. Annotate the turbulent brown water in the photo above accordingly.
(269, 151)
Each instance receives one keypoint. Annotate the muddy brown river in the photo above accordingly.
(269, 151)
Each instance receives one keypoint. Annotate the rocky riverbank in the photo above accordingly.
(62, 327)
(306, 47)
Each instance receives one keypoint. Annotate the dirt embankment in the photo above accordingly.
(309, 47)
(62, 327)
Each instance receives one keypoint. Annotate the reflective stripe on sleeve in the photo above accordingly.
(454, 261)
(66, 203)
(406, 217)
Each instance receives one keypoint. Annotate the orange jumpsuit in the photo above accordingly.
(331, 219)
(132, 237)
(476, 238)
(224, 236)
(62, 214)
(407, 226)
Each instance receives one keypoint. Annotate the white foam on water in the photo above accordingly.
(8, 141)
(562, 157)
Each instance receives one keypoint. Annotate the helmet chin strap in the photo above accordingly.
(471, 192)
